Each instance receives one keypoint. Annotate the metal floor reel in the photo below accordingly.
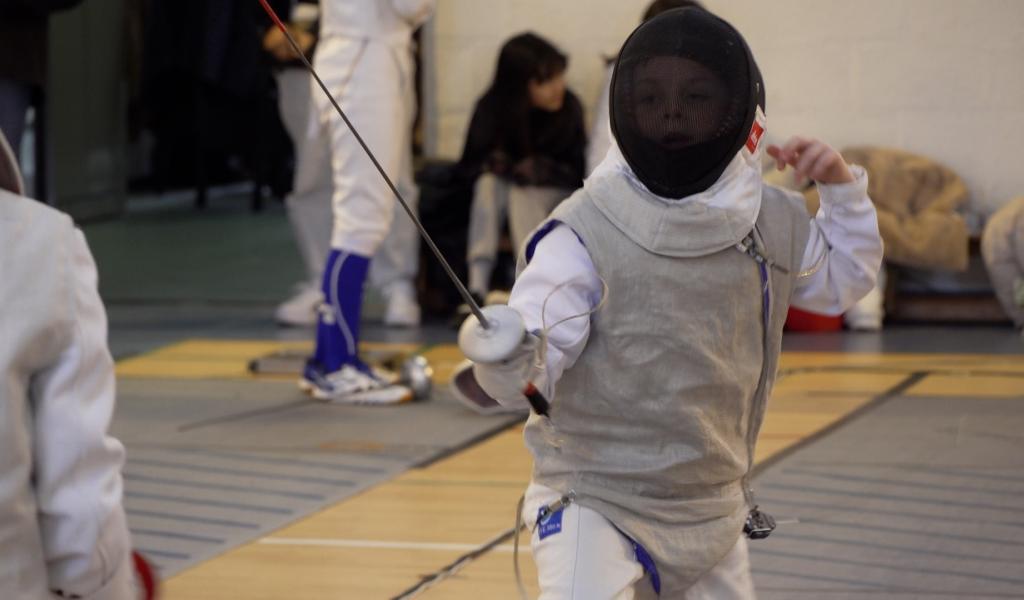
(413, 370)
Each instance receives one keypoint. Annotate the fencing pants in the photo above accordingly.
(589, 559)
(309, 206)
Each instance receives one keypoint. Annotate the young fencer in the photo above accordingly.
(656, 296)
(63, 530)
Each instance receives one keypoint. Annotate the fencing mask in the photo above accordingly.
(10, 175)
(684, 99)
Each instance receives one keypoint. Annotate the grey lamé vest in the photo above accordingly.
(654, 425)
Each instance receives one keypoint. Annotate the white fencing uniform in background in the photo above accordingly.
(62, 526)
(339, 200)
(364, 57)
(309, 204)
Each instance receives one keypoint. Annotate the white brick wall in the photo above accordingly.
(944, 78)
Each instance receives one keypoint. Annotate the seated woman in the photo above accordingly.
(525, 150)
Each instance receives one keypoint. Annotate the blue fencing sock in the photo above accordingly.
(337, 331)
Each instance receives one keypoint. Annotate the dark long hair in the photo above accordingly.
(524, 58)
(656, 8)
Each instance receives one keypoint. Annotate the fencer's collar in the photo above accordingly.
(696, 225)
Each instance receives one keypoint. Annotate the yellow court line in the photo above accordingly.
(378, 545)
(423, 519)
(201, 358)
(223, 359)
(973, 386)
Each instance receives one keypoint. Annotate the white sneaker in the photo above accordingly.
(301, 309)
(403, 310)
(351, 385)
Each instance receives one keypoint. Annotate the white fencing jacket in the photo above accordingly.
(62, 526)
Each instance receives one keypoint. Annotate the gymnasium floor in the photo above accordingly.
(892, 461)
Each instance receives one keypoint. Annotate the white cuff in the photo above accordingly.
(845, 196)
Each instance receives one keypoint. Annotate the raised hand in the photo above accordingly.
(812, 159)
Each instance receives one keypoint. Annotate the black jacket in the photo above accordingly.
(549, 153)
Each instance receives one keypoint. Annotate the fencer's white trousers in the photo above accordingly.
(339, 199)
(494, 200)
(589, 559)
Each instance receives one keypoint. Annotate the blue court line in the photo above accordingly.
(900, 483)
(220, 486)
(931, 534)
(234, 505)
(824, 578)
(238, 472)
(899, 568)
(767, 500)
(177, 536)
(191, 519)
(262, 458)
(971, 474)
(784, 534)
(801, 489)
(888, 593)
(919, 467)
(162, 553)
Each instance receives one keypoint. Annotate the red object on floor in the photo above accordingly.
(801, 320)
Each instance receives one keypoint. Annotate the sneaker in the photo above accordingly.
(301, 309)
(313, 376)
(353, 385)
(402, 309)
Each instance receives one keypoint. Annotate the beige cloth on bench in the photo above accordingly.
(917, 200)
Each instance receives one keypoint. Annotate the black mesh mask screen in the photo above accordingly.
(684, 97)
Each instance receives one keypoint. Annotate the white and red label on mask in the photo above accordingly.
(757, 130)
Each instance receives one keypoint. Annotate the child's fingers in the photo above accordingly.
(795, 146)
(810, 155)
(823, 166)
(776, 153)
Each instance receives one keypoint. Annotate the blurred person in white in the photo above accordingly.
(364, 56)
(63, 532)
(393, 269)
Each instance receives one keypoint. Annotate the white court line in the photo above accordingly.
(376, 544)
